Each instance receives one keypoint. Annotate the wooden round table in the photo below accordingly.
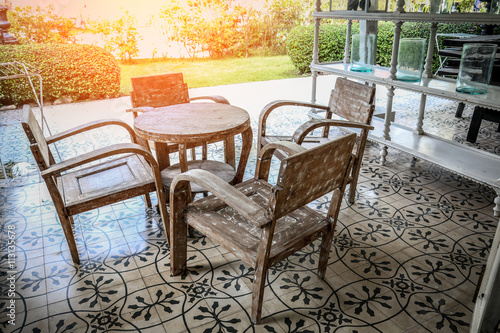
(194, 124)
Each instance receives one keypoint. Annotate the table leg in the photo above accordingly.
(162, 155)
(183, 157)
(246, 136)
(229, 151)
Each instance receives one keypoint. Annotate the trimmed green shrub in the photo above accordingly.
(331, 44)
(332, 41)
(81, 72)
(385, 37)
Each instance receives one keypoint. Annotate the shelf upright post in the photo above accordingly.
(430, 52)
(400, 6)
(315, 59)
(388, 113)
(496, 209)
(390, 89)
(426, 74)
(420, 119)
(395, 49)
(347, 49)
(387, 122)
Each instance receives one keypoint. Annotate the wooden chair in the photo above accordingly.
(76, 187)
(260, 223)
(351, 101)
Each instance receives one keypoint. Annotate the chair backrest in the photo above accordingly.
(352, 101)
(308, 175)
(159, 90)
(38, 144)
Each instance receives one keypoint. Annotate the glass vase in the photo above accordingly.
(475, 69)
(411, 55)
(435, 6)
(362, 53)
(446, 6)
(495, 7)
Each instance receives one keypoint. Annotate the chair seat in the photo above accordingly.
(220, 169)
(310, 141)
(129, 173)
(217, 221)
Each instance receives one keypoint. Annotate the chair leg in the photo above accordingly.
(147, 199)
(259, 279)
(326, 244)
(259, 283)
(178, 246)
(162, 210)
(66, 222)
(475, 124)
(178, 231)
(353, 181)
(352, 191)
(460, 110)
(190, 231)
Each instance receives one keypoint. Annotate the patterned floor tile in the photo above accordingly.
(406, 256)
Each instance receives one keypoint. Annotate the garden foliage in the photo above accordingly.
(332, 40)
(120, 37)
(34, 25)
(81, 72)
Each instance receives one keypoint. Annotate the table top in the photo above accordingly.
(191, 122)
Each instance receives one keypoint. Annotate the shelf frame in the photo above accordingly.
(466, 161)
(429, 85)
(478, 18)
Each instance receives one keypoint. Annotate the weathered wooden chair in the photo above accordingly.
(353, 102)
(77, 187)
(259, 223)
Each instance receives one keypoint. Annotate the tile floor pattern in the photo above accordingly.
(406, 258)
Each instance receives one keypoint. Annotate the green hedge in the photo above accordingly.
(82, 72)
(331, 44)
(332, 41)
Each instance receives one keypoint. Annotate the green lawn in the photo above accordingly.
(208, 72)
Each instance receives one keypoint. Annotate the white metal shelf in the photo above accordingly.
(466, 161)
(486, 169)
(436, 86)
(476, 18)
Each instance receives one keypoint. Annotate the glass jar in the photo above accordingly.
(362, 53)
(411, 55)
(435, 6)
(475, 69)
(446, 6)
(495, 7)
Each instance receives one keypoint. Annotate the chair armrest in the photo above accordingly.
(227, 193)
(279, 103)
(266, 153)
(89, 126)
(290, 148)
(215, 98)
(140, 109)
(312, 124)
(116, 149)
(266, 111)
